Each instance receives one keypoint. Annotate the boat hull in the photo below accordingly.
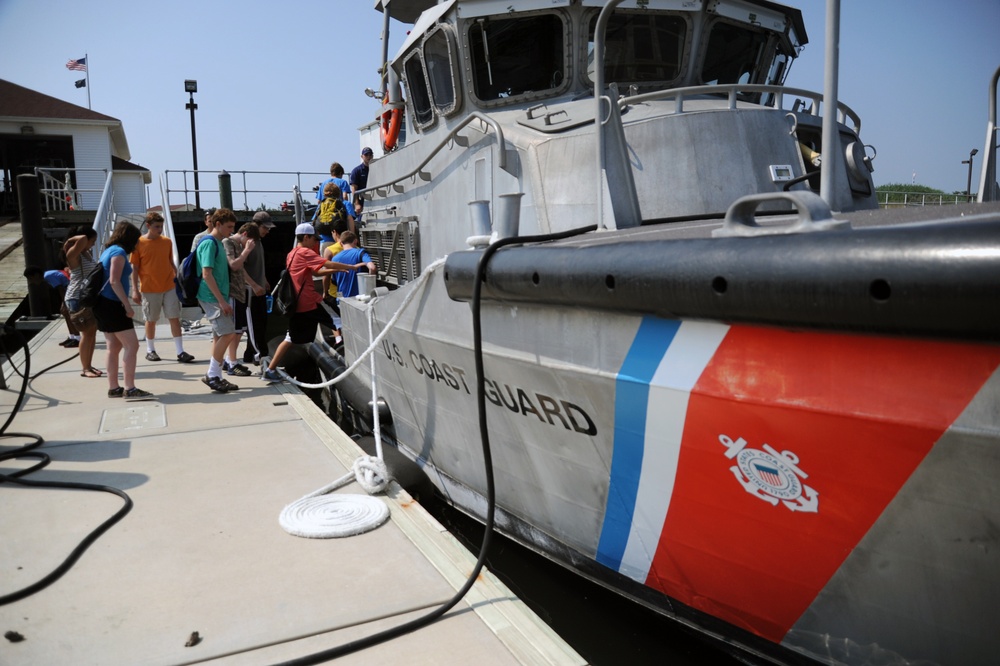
(831, 493)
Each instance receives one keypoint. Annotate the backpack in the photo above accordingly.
(332, 215)
(189, 278)
(90, 291)
(284, 295)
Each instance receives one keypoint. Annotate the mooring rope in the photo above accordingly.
(320, 515)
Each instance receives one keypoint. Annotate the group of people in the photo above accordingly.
(139, 269)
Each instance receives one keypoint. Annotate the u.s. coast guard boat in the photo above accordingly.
(773, 422)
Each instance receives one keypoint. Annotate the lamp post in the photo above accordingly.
(191, 87)
(968, 188)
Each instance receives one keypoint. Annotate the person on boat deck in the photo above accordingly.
(114, 311)
(77, 251)
(153, 286)
(347, 283)
(57, 281)
(359, 181)
(213, 296)
(331, 215)
(257, 309)
(304, 263)
(239, 247)
(337, 178)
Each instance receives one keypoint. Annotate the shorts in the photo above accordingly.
(302, 325)
(239, 315)
(221, 324)
(154, 302)
(111, 317)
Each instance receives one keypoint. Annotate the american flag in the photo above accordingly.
(77, 65)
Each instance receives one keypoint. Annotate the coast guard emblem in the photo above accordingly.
(771, 476)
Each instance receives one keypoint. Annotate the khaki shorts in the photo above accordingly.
(221, 324)
(155, 302)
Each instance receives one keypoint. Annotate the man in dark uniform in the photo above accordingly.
(359, 181)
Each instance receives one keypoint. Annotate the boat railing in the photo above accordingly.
(396, 184)
(889, 199)
(733, 91)
(178, 184)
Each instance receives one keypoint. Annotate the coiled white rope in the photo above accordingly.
(420, 282)
(319, 515)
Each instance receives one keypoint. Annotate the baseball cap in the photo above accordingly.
(263, 219)
(367, 151)
(305, 228)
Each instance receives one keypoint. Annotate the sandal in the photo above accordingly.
(92, 373)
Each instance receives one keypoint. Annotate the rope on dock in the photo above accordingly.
(320, 515)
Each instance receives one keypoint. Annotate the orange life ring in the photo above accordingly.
(392, 121)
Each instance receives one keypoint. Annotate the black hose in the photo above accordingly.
(26, 451)
(477, 335)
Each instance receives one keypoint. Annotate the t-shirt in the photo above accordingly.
(126, 277)
(153, 261)
(302, 262)
(329, 252)
(347, 282)
(237, 280)
(212, 254)
(359, 178)
(56, 279)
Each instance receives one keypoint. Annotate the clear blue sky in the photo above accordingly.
(281, 84)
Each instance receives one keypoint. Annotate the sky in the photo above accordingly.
(281, 85)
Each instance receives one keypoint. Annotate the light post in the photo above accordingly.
(968, 188)
(191, 87)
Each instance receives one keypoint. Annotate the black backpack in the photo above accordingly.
(92, 286)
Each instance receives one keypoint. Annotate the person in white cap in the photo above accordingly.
(304, 263)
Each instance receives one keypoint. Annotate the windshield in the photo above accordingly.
(516, 56)
(640, 48)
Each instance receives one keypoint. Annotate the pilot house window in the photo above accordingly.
(640, 48)
(516, 56)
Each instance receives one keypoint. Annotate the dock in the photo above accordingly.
(202, 549)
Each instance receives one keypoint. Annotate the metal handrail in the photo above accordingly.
(104, 217)
(55, 190)
(452, 135)
(299, 175)
(844, 112)
(168, 224)
(921, 199)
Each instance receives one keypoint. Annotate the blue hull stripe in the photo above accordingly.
(631, 398)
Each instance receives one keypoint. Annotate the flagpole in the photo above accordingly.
(86, 58)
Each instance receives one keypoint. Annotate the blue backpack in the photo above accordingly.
(189, 278)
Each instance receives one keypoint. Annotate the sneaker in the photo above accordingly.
(70, 342)
(237, 370)
(271, 376)
(184, 357)
(116, 392)
(229, 385)
(152, 356)
(137, 394)
(217, 384)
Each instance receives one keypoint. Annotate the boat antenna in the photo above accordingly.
(385, 49)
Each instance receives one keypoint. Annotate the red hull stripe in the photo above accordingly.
(793, 445)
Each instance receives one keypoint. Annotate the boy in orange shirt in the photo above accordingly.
(153, 273)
